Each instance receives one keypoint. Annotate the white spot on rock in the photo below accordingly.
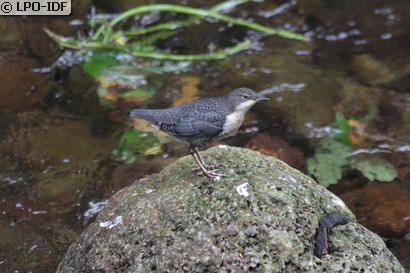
(223, 147)
(337, 201)
(110, 224)
(242, 189)
(217, 178)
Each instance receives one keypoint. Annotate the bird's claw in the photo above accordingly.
(209, 172)
(214, 166)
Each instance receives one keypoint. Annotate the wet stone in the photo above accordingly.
(179, 225)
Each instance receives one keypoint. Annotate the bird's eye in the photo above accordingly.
(245, 96)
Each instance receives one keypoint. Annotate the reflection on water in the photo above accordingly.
(56, 169)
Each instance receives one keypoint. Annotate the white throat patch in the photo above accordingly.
(233, 121)
(245, 106)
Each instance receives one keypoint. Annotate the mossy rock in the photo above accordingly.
(175, 221)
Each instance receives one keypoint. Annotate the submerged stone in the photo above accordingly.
(175, 221)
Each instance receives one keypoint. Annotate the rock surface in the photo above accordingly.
(262, 218)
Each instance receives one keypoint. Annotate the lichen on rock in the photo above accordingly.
(175, 221)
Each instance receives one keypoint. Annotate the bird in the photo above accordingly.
(202, 121)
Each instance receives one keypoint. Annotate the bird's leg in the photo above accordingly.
(196, 151)
(198, 158)
(208, 167)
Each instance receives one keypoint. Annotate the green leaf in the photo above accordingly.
(325, 169)
(329, 161)
(375, 167)
(333, 157)
(343, 124)
(98, 63)
(331, 146)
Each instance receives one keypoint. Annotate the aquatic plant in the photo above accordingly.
(141, 42)
(336, 155)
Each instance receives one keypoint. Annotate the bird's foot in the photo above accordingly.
(211, 174)
(210, 170)
(214, 166)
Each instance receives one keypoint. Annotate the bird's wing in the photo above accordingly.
(189, 126)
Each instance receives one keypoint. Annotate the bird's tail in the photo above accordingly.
(141, 113)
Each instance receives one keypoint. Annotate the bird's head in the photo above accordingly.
(243, 98)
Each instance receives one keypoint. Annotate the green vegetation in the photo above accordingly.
(343, 125)
(141, 42)
(330, 160)
(134, 143)
(335, 155)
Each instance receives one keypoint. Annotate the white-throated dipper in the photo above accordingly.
(203, 121)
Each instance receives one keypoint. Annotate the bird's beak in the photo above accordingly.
(260, 98)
